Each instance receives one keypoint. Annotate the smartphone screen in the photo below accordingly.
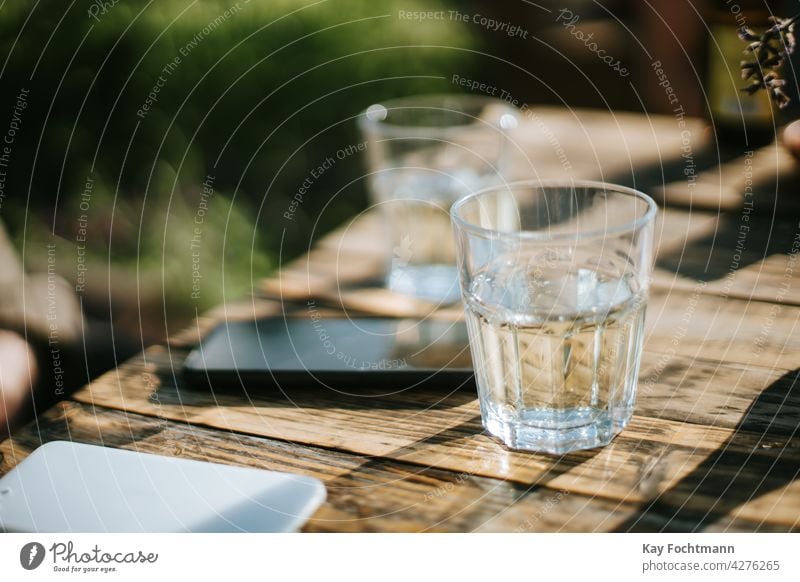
(343, 354)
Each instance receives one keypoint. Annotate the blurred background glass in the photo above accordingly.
(424, 153)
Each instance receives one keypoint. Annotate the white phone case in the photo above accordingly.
(73, 487)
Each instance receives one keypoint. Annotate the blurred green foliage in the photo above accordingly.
(258, 96)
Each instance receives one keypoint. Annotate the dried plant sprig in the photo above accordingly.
(769, 50)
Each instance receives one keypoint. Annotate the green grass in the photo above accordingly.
(256, 100)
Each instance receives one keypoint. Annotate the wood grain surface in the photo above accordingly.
(713, 445)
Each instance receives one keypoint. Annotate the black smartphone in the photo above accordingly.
(347, 355)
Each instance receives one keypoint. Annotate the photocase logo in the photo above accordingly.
(31, 555)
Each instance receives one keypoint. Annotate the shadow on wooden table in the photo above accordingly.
(735, 243)
(480, 454)
(319, 396)
(760, 457)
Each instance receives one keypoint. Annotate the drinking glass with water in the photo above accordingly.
(555, 277)
(424, 153)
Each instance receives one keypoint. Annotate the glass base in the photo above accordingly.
(436, 283)
(528, 435)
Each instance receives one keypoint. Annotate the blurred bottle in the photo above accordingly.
(738, 119)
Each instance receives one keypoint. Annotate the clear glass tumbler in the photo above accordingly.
(424, 153)
(554, 278)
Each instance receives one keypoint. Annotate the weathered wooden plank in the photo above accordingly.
(432, 430)
(726, 186)
(739, 255)
(688, 336)
(681, 320)
(748, 253)
(364, 494)
(554, 142)
(688, 329)
(703, 392)
(675, 227)
(695, 324)
(747, 331)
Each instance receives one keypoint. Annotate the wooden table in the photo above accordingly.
(713, 445)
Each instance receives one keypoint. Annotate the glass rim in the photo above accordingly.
(434, 101)
(546, 235)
